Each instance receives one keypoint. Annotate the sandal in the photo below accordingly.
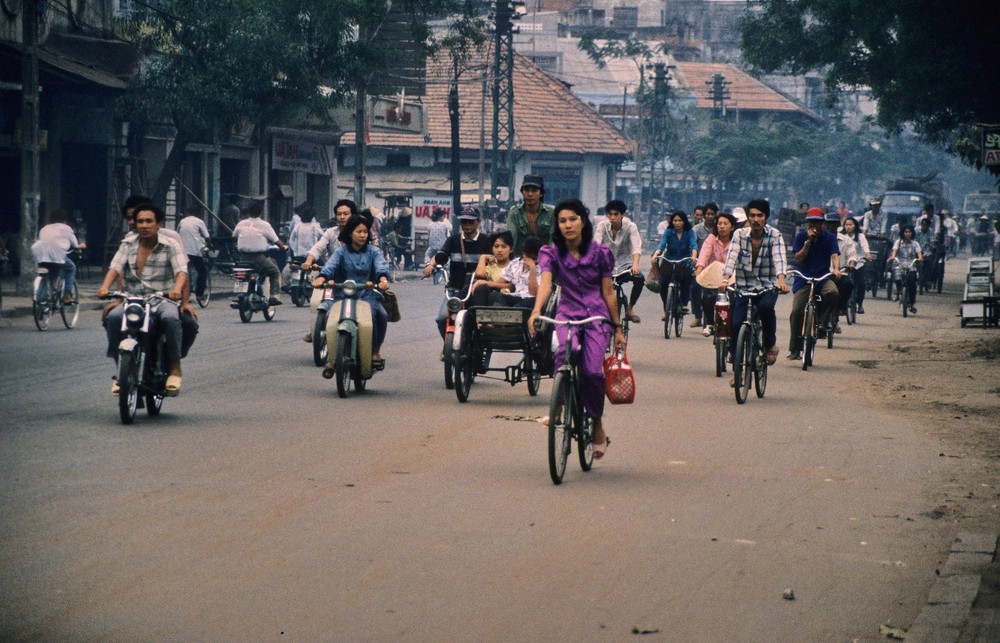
(114, 386)
(601, 449)
(378, 364)
(772, 356)
(173, 385)
(308, 338)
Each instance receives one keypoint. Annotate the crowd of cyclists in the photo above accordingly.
(541, 247)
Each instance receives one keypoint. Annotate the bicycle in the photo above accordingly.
(809, 320)
(209, 256)
(721, 335)
(567, 420)
(672, 310)
(47, 297)
(622, 300)
(907, 285)
(751, 354)
(851, 309)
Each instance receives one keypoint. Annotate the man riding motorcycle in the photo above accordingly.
(149, 265)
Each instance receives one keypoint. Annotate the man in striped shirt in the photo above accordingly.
(756, 259)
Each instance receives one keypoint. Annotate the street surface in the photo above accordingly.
(260, 506)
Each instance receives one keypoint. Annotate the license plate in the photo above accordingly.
(241, 286)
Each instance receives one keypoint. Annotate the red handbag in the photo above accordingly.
(619, 381)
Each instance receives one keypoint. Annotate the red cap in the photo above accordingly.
(815, 214)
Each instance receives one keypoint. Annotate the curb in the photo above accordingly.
(949, 615)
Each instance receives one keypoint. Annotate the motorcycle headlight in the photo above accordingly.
(134, 314)
(350, 289)
(454, 304)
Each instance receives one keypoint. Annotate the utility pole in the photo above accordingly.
(718, 93)
(360, 144)
(30, 153)
(502, 170)
(456, 145)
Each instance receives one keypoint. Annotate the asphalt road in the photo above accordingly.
(259, 505)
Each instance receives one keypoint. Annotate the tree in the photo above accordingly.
(209, 66)
(929, 64)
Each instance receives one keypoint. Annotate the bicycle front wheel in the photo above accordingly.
(668, 310)
(808, 337)
(71, 312)
(560, 426)
(721, 348)
(585, 443)
(742, 369)
(760, 364)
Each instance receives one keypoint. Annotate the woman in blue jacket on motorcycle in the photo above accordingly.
(357, 259)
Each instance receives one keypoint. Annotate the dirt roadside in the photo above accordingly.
(949, 384)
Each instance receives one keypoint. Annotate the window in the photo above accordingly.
(625, 17)
(548, 63)
(397, 160)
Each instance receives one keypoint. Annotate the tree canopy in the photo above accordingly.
(927, 63)
(209, 66)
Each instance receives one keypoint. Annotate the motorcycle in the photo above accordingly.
(300, 287)
(142, 373)
(350, 357)
(249, 290)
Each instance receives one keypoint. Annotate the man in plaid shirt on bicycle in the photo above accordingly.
(756, 259)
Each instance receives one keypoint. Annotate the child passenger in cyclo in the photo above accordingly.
(521, 276)
(584, 271)
(491, 264)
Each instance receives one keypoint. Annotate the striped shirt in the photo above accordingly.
(159, 272)
(770, 259)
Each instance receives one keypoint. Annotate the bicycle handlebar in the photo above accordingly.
(755, 292)
(809, 279)
(574, 322)
(662, 258)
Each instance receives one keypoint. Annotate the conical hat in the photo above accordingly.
(711, 276)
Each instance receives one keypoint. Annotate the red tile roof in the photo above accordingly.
(747, 92)
(548, 117)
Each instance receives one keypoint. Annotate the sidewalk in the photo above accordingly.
(20, 305)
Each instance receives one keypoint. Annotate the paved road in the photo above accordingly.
(261, 506)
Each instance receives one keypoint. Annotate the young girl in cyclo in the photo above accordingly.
(357, 259)
(584, 270)
(488, 282)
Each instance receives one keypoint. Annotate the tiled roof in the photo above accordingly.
(548, 117)
(747, 93)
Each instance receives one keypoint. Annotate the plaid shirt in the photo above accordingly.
(158, 273)
(770, 260)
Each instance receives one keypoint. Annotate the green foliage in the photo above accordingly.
(211, 65)
(602, 44)
(817, 161)
(928, 63)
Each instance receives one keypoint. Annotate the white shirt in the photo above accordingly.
(303, 237)
(254, 235)
(54, 243)
(516, 273)
(193, 233)
(624, 244)
(326, 244)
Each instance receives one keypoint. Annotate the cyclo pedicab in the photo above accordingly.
(481, 331)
